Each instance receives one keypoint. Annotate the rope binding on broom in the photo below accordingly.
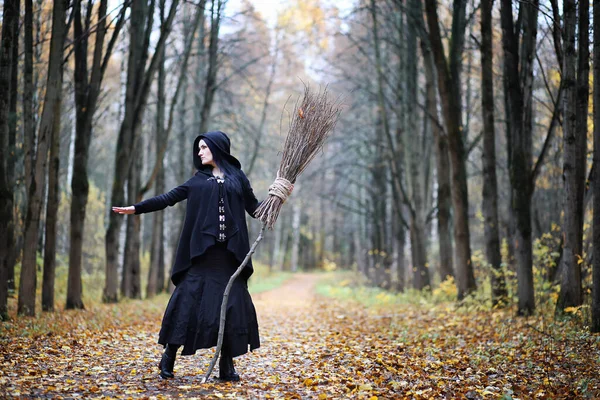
(281, 188)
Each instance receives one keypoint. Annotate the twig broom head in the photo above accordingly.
(313, 119)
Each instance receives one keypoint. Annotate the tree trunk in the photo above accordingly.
(449, 81)
(28, 92)
(124, 148)
(416, 175)
(595, 326)
(276, 264)
(13, 250)
(489, 205)
(157, 225)
(86, 99)
(138, 85)
(398, 264)
(29, 130)
(79, 180)
(418, 253)
(442, 164)
(10, 22)
(296, 236)
(518, 75)
(575, 111)
(397, 269)
(158, 168)
(183, 171)
(384, 156)
(211, 77)
(265, 108)
(28, 119)
(200, 70)
(131, 282)
(378, 186)
(52, 211)
(51, 110)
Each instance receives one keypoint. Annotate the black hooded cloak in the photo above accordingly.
(201, 225)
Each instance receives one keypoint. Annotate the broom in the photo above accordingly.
(313, 119)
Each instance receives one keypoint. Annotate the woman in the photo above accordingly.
(213, 243)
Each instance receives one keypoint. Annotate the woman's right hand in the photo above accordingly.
(124, 210)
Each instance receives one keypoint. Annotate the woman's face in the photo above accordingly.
(205, 154)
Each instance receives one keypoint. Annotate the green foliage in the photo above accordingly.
(94, 230)
(343, 285)
(263, 280)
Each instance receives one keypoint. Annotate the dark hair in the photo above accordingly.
(235, 176)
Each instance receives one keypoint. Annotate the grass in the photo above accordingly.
(344, 285)
(572, 327)
(263, 280)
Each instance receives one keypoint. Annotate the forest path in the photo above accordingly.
(311, 347)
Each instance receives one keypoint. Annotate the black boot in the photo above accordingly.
(226, 368)
(167, 362)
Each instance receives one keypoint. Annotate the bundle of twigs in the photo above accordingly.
(313, 119)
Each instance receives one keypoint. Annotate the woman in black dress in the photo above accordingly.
(213, 243)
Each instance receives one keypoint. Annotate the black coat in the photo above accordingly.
(201, 225)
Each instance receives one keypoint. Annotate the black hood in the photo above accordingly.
(219, 141)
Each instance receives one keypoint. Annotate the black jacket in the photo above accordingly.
(201, 225)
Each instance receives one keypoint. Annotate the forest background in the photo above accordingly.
(461, 167)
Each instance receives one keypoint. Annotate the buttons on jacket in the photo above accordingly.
(222, 237)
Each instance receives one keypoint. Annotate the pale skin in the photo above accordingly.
(207, 159)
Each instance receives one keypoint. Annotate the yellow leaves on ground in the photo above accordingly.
(312, 348)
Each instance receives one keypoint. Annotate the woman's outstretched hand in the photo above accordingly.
(124, 210)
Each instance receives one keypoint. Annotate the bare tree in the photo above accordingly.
(211, 75)
(157, 245)
(575, 109)
(162, 138)
(50, 113)
(10, 22)
(88, 84)
(12, 159)
(52, 212)
(518, 83)
(382, 157)
(28, 92)
(449, 87)
(595, 326)
(442, 164)
(417, 153)
(489, 204)
(139, 81)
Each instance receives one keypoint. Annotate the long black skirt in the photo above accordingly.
(192, 315)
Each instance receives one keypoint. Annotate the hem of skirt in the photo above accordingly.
(189, 352)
